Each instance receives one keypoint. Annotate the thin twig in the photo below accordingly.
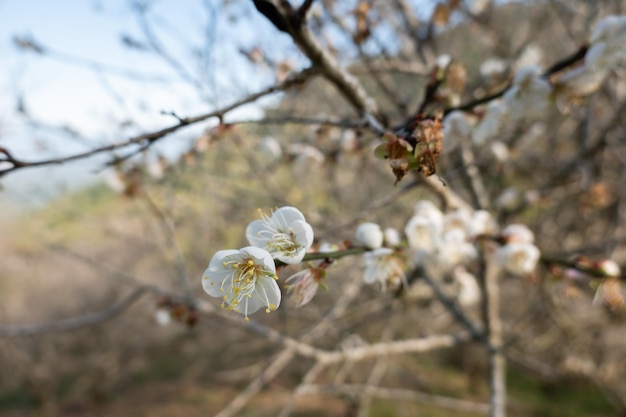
(74, 323)
(147, 139)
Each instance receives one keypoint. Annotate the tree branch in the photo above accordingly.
(77, 322)
(146, 140)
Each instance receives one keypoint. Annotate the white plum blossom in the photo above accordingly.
(491, 123)
(303, 152)
(529, 94)
(532, 55)
(517, 233)
(385, 266)
(469, 290)
(285, 234)
(455, 249)
(492, 67)
(392, 237)
(500, 151)
(370, 235)
(576, 83)
(427, 208)
(424, 232)
(303, 285)
(609, 268)
(456, 129)
(162, 317)
(608, 43)
(245, 279)
(482, 223)
(518, 258)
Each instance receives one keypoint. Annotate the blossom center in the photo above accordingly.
(241, 282)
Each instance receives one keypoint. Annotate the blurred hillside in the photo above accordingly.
(87, 250)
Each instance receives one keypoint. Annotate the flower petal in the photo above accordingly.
(255, 235)
(303, 232)
(266, 293)
(261, 256)
(285, 216)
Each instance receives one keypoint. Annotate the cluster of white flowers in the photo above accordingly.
(445, 240)
(518, 255)
(445, 243)
(245, 279)
(383, 265)
(531, 93)
(607, 48)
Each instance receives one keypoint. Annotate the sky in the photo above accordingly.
(60, 88)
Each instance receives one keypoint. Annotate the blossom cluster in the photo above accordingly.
(444, 243)
(531, 93)
(245, 279)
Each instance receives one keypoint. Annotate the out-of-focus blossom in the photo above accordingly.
(285, 234)
(608, 43)
(609, 268)
(500, 151)
(392, 237)
(518, 258)
(476, 7)
(270, 149)
(162, 317)
(577, 83)
(492, 67)
(303, 152)
(302, 286)
(455, 249)
(370, 235)
(424, 229)
(245, 279)
(532, 55)
(456, 129)
(469, 290)
(509, 199)
(517, 233)
(529, 95)
(491, 123)
(384, 266)
(482, 223)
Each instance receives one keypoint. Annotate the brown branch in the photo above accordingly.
(553, 69)
(146, 140)
(493, 330)
(77, 322)
(282, 15)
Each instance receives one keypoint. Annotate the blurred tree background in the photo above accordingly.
(111, 273)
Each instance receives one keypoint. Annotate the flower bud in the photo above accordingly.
(370, 235)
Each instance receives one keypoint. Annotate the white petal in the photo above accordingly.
(266, 292)
(285, 216)
(261, 257)
(254, 233)
(370, 235)
(293, 259)
(217, 261)
(304, 233)
(212, 281)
